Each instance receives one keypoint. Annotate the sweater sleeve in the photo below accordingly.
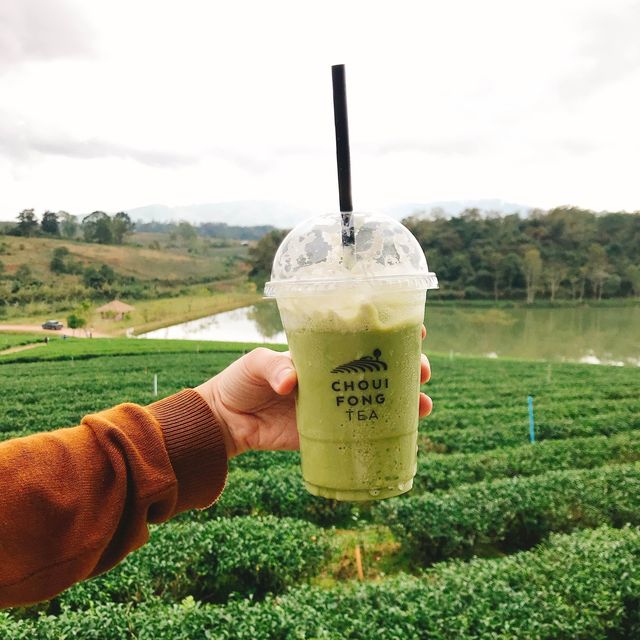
(76, 501)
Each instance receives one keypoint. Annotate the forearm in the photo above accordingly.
(75, 501)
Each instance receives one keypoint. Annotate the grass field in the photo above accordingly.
(129, 260)
(482, 489)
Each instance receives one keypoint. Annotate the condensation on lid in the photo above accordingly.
(312, 259)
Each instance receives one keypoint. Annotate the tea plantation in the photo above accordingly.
(500, 538)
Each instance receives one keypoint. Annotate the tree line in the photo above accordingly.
(207, 229)
(97, 227)
(563, 253)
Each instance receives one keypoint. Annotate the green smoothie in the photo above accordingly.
(353, 312)
(357, 406)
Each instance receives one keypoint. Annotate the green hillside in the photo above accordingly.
(134, 259)
(482, 489)
(167, 282)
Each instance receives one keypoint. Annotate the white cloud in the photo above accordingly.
(40, 30)
(208, 100)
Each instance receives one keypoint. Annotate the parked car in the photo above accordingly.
(54, 325)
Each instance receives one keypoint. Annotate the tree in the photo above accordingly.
(261, 256)
(68, 225)
(632, 274)
(96, 227)
(186, 232)
(103, 233)
(50, 223)
(27, 223)
(98, 279)
(511, 271)
(75, 321)
(598, 265)
(121, 226)
(494, 260)
(532, 270)
(57, 264)
(554, 273)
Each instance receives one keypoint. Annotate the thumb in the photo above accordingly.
(274, 367)
(283, 378)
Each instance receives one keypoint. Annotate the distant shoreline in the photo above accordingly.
(543, 303)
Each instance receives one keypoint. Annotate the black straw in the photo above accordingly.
(342, 152)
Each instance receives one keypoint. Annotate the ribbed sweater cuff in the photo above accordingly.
(196, 448)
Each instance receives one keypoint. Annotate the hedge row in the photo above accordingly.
(437, 471)
(210, 560)
(261, 460)
(479, 411)
(475, 439)
(278, 491)
(586, 585)
(277, 488)
(514, 513)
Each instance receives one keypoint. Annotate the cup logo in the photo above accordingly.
(364, 364)
(361, 397)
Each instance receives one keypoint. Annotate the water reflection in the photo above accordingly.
(267, 320)
(258, 323)
(592, 336)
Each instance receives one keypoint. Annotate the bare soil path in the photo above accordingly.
(36, 328)
(23, 347)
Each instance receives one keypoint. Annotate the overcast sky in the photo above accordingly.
(119, 104)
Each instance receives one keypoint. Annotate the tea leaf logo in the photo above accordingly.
(364, 364)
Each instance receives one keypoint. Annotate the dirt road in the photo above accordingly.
(36, 328)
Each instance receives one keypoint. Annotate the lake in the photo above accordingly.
(602, 335)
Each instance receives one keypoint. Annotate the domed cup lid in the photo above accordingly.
(386, 255)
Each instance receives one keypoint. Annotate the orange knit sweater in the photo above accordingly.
(74, 502)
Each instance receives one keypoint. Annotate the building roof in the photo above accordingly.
(115, 306)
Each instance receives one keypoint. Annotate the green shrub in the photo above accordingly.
(210, 560)
(583, 586)
(498, 434)
(261, 460)
(513, 513)
(278, 491)
(437, 471)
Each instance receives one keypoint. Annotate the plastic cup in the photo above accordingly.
(353, 317)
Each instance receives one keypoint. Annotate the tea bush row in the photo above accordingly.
(549, 411)
(8, 340)
(436, 471)
(514, 513)
(276, 487)
(47, 395)
(496, 436)
(209, 560)
(585, 585)
(278, 491)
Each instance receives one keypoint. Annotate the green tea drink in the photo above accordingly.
(358, 386)
(357, 410)
(353, 321)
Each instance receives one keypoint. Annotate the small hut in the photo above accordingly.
(114, 309)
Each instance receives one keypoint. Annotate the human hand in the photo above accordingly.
(253, 400)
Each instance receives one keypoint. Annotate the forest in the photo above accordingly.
(565, 253)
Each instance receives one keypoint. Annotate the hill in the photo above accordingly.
(167, 282)
(143, 262)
